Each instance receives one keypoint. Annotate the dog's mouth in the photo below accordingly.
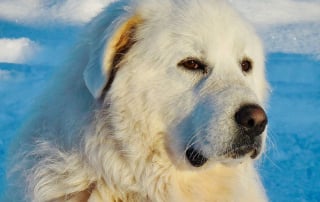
(195, 157)
(238, 151)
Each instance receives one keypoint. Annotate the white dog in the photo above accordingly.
(161, 102)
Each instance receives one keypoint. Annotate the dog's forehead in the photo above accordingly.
(202, 27)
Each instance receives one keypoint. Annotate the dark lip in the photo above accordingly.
(195, 157)
(238, 151)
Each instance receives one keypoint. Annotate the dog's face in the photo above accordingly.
(196, 75)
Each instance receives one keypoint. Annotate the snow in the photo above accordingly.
(35, 36)
(22, 50)
(286, 26)
(291, 166)
(44, 11)
(275, 12)
(293, 38)
(19, 85)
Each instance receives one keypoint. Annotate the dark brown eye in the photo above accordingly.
(246, 65)
(193, 65)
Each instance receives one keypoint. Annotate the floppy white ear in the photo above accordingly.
(105, 58)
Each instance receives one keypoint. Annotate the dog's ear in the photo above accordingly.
(101, 68)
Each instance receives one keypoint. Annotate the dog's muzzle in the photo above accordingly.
(252, 121)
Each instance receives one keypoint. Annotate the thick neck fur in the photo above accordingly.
(134, 166)
(130, 164)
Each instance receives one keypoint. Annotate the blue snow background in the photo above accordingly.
(290, 168)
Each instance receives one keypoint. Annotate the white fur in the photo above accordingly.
(130, 146)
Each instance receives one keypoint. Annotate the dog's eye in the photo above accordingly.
(246, 65)
(193, 65)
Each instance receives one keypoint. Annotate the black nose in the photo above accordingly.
(252, 119)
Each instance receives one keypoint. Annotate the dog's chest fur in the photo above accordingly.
(187, 187)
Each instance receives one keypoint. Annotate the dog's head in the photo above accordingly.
(192, 70)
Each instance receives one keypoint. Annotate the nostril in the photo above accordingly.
(251, 123)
